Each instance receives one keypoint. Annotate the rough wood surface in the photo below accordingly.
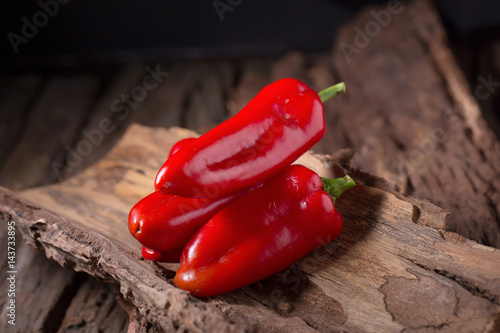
(41, 289)
(394, 267)
(63, 104)
(416, 120)
(16, 94)
(50, 298)
(408, 112)
(94, 309)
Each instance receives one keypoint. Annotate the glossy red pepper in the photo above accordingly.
(262, 232)
(164, 222)
(171, 256)
(282, 122)
(181, 144)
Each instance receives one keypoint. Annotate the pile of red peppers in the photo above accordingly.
(231, 207)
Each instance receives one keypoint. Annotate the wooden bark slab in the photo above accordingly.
(394, 266)
(94, 309)
(50, 298)
(38, 281)
(412, 117)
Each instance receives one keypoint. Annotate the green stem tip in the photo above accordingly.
(336, 186)
(329, 92)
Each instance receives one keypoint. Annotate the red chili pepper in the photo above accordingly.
(171, 256)
(262, 233)
(282, 122)
(164, 222)
(181, 144)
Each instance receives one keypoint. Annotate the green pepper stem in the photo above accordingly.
(335, 187)
(329, 92)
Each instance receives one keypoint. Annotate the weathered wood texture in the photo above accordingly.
(94, 309)
(394, 267)
(408, 112)
(50, 298)
(61, 102)
(415, 120)
(16, 94)
(37, 281)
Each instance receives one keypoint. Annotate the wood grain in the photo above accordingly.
(16, 95)
(41, 289)
(388, 271)
(93, 309)
(412, 118)
(63, 104)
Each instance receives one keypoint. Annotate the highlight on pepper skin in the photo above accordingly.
(134, 225)
(216, 159)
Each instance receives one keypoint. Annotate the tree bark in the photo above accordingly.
(394, 266)
(412, 118)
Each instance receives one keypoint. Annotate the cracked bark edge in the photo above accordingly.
(51, 234)
(442, 305)
(424, 212)
(472, 288)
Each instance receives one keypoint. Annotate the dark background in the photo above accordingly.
(99, 33)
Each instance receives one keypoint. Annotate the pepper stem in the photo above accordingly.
(329, 92)
(335, 187)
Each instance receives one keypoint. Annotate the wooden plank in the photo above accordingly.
(192, 96)
(360, 282)
(164, 103)
(411, 118)
(106, 120)
(62, 105)
(252, 77)
(94, 309)
(206, 106)
(16, 94)
(291, 65)
(50, 298)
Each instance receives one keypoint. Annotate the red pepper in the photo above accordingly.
(171, 256)
(164, 222)
(181, 144)
(262, 232)
(282, 122)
